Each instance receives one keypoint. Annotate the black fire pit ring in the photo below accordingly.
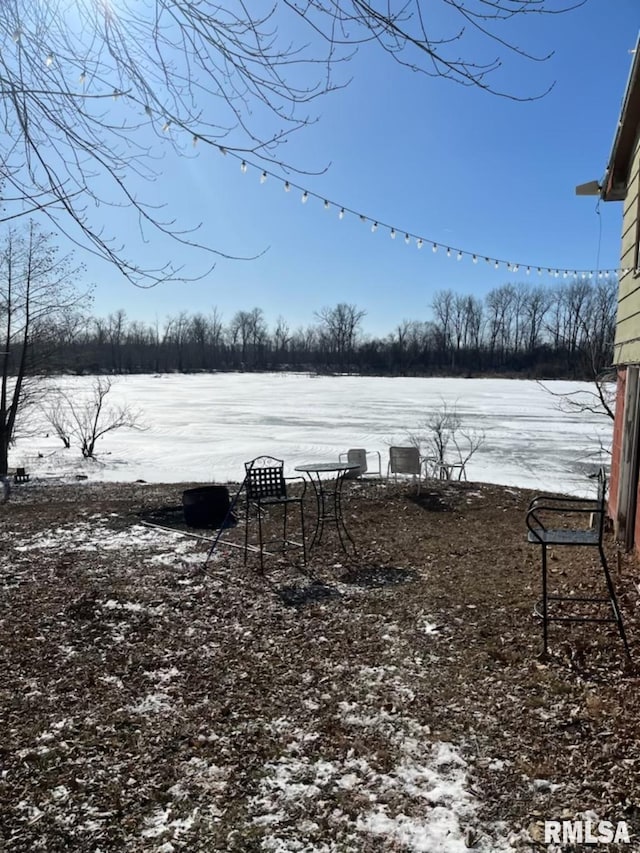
(206, 506)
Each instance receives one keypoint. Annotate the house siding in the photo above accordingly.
(627, 340)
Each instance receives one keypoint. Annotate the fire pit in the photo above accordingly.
(205, 506)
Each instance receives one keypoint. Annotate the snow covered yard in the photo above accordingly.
(206, 426)
(392, 702)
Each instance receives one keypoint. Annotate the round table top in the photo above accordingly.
(326, 467)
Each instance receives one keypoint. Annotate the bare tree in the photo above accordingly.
(36, 292)
(56, 414)
(92, 92)
(444, 442)
(340, 327)
(88, 419)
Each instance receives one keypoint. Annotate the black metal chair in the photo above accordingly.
(266, 487)
(543, 508)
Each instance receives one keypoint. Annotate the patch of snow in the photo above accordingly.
(153, 703)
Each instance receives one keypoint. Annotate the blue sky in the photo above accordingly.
(453, 164)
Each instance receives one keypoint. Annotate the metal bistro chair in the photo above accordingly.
(405, 460)
(358, 456)
(265, 487)
(541, 510)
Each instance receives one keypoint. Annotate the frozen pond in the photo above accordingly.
(204, 427)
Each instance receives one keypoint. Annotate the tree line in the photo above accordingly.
(566, 331)
(516, 329)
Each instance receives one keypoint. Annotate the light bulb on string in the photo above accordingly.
(419, 242)
(326, 204)
(83, 77)
(407, 239)
(374, 227)
(539, 271)
(434, 248)
(243, 167)
(341, 214)
(49, 60)
(459, 256)
(363, 218)
(287, 186)
(392, 233)
(222, 150)
(528, 270)
(516, 267)
(194, 140)
(488, 260)
(166, 125)
(448, 252)
(263, 177)
(496, 264)
(475, 259)
(305, 197)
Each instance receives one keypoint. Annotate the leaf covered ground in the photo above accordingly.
(393, 700)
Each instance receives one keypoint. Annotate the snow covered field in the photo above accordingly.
(204, 427)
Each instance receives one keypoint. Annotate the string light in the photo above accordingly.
(375, 224)
(83, 77)
(49, 60)
(166, 126)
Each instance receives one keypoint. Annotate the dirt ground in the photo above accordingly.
(151, 703)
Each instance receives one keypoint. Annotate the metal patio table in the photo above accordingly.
(328, 494)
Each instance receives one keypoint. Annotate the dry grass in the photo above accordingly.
(150, 705)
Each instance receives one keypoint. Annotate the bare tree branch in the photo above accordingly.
(93, 93)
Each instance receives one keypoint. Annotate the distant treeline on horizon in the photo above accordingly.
(564, 332)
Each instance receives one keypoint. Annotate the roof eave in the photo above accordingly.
(614, 185)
